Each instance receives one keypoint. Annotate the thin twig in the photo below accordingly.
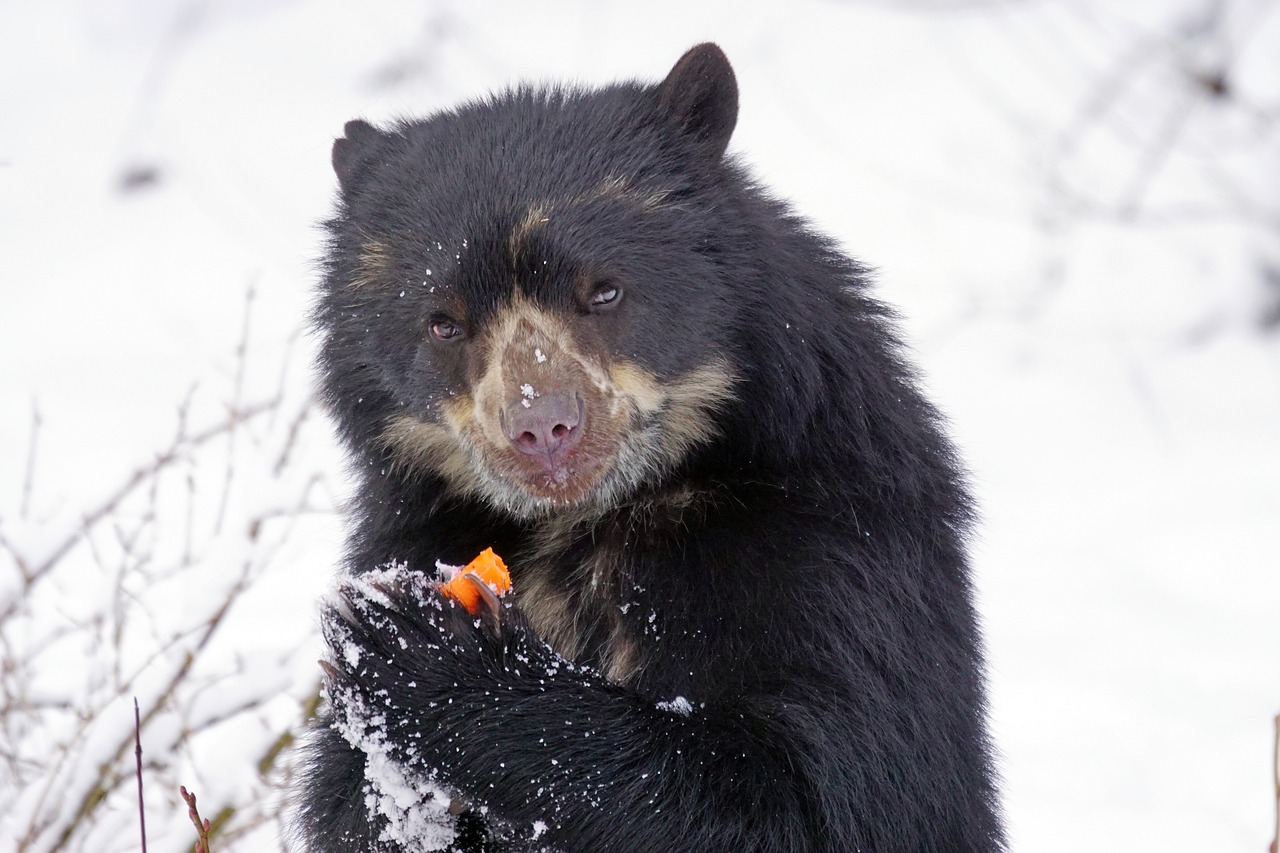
(202, 826)
(94, 797)
(137, 754)
(138, 478)
(1275, 768)
(291, 439)
(237, 394)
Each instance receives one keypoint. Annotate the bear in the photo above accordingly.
(563, 322)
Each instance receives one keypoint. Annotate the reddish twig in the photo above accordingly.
(202, 826)
(1275, 770)
(92, 799)
(137, 754)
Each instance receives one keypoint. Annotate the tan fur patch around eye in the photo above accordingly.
(622, 189)
(425, 446)
(458, 412)
(523, 345)
(614, 187)
(638, 384)
(692, 400)
(685, 406)
(534, 218)
(372, 264)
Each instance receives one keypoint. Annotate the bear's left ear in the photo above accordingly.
(699, 98)
(353, 152)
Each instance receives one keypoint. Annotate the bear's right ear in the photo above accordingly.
(699, 98)
(354, 151)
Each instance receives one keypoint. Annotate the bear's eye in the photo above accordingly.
(606, 295)
(445, 329)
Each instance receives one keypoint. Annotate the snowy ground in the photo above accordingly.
(1075, 204)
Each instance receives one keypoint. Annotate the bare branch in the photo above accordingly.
(1275, 772)
(137, 752)
(141, 477)
(237, 394)
(202, 826)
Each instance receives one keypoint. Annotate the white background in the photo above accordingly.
(1083, 237)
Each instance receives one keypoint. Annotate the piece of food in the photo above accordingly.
(489, 569)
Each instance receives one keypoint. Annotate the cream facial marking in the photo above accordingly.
(632, 426)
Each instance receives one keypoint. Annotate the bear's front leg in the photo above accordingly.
(362, 791)
(413, 679)
(476, 707)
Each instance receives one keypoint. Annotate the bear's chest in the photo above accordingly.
(574, 591)
(588, 589)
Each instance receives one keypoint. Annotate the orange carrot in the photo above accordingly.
(489, 568)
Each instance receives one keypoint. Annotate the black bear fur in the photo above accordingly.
(788, 555)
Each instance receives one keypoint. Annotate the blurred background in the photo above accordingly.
(1074, 204)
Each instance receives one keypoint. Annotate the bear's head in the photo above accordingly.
(529, 298)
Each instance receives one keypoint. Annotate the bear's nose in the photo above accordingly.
(546, 426)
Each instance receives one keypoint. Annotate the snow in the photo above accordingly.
(446, 571)
(415, 808)
(1080, 235)
(416, 811)
(679, 706)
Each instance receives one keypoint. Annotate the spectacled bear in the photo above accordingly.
(563, 323)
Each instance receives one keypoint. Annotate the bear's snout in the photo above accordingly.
(545, 426)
